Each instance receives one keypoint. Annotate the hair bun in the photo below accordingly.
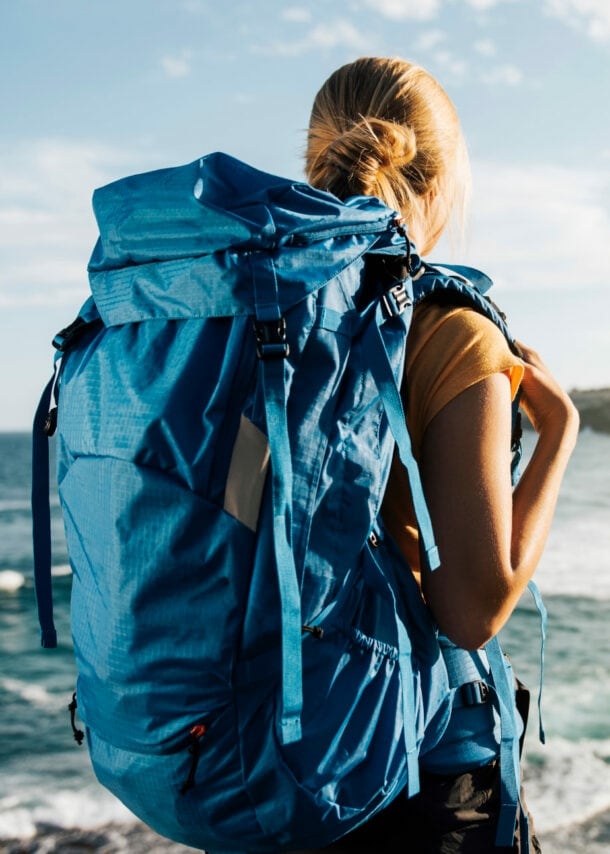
(397, 146)
(371, 147)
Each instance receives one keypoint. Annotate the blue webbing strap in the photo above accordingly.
(273, 373)
(41, 519)
(533, 588)
(409, 703)
(509, 748)
(381, 370)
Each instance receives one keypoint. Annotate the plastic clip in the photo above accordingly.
(271, 342)
(474, 693)
(396, 300)
(64, 339)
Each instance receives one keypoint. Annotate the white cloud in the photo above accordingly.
(338, 33)
(244, 98)
(589, 16)
(296, 14)
(430, 39)
(194, 7)
(452, 65)
(178, 65)
(540, 226)
(507, 75)
(483, 5)
(422, 10)
(55, 295)
(485, 47)
(399, 10)
(47, 227)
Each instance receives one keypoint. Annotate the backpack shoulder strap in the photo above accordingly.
(389, 390)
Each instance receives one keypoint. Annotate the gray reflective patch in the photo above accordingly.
(247, 473)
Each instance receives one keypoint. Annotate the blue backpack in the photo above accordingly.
(257, 670)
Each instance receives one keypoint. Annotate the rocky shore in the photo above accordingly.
(594, 408)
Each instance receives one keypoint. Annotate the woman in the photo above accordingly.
(385, 127)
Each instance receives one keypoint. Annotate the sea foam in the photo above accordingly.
(88, 807)
(11, 580)
(567, 782)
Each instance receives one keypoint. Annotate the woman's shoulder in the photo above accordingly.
(431, 319)
(445, 334)
(450, 348)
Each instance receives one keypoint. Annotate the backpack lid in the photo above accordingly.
(186, 241)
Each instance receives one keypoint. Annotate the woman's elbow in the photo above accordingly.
(472, 624)
(469, 635)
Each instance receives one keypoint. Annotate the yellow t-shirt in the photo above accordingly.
(449, 349)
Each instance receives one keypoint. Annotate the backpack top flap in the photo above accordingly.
(208, 226)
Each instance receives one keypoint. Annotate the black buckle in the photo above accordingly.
(474, 693)
(271, 340)
(396, 300)
(64, 339)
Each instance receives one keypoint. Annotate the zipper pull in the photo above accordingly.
(196, 734)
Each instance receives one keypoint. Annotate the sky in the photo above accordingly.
(92, 90)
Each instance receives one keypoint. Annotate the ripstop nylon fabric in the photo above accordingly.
(253, 687)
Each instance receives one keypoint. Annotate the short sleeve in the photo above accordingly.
(448, 351)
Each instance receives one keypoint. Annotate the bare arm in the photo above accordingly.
(491, 538)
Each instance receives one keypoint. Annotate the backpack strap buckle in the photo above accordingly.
(474, 693)
(87, 317)
(396, 300)
(271, 340)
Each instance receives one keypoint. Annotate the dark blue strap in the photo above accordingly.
(533, 588)
(41, 518)
(388, 387)
(274, 380)
(475, 277)
(510, 774)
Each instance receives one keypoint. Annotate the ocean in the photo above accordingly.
(51, 802)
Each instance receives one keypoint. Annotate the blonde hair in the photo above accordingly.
(386, 128)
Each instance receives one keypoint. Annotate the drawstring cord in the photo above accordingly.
(77, 733)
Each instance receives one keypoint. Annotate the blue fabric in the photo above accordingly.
(472, 737)
(305, 652)
(218, 205)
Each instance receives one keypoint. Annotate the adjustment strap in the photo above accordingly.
(388, 387)
(41, 515)
(272, 349)
(537, 596)
(510, 772)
